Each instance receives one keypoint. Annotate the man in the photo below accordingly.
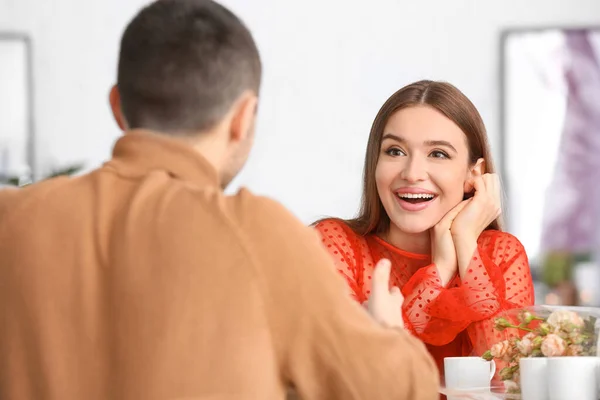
(142, 280)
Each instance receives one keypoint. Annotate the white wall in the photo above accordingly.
(13, 103)
(329, 65)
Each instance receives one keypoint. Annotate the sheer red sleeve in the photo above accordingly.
(339, 241)
(498, 279)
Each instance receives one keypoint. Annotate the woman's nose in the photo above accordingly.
(414, 170)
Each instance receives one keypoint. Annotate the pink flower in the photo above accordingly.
(545, 328)
(526, 316)
(553, 346)
(574, 350)
(501, 349)
(576, 337)
(511, 386)
(502, 323)
(507, 373)
(565, 318)
(525, 345)
(517, 376)
(537, 342)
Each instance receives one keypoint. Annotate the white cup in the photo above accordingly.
(571, 378)
(533, 375)
(468, 372)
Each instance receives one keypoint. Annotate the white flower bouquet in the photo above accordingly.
(543, 331)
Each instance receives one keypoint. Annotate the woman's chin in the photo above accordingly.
(413, 229)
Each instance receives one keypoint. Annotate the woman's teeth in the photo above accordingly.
(416, 198)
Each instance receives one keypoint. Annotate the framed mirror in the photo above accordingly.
(550, 85)
(17, 139)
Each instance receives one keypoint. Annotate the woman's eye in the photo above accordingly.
(439, 154)
(394, 152)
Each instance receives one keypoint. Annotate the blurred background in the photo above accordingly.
(532, 68)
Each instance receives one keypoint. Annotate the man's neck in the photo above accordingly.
(207, 144)
(212, 151)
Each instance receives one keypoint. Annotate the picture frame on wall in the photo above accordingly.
(550, 116)
(17, 135)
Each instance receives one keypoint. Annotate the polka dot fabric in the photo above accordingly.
(455, 320)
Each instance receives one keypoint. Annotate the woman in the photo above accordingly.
(431, 204)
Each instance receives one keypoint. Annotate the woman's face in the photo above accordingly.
(423, 169)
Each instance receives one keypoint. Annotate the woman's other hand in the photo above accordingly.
(443, 251)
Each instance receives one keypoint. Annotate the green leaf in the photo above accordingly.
(65, 171)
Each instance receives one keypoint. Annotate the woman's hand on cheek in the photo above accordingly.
(481, 211)
(443, 251)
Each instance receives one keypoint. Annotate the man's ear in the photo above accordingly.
(115, 104)
(475, 170)
(244, 114)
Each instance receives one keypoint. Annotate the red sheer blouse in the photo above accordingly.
(452, 320)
